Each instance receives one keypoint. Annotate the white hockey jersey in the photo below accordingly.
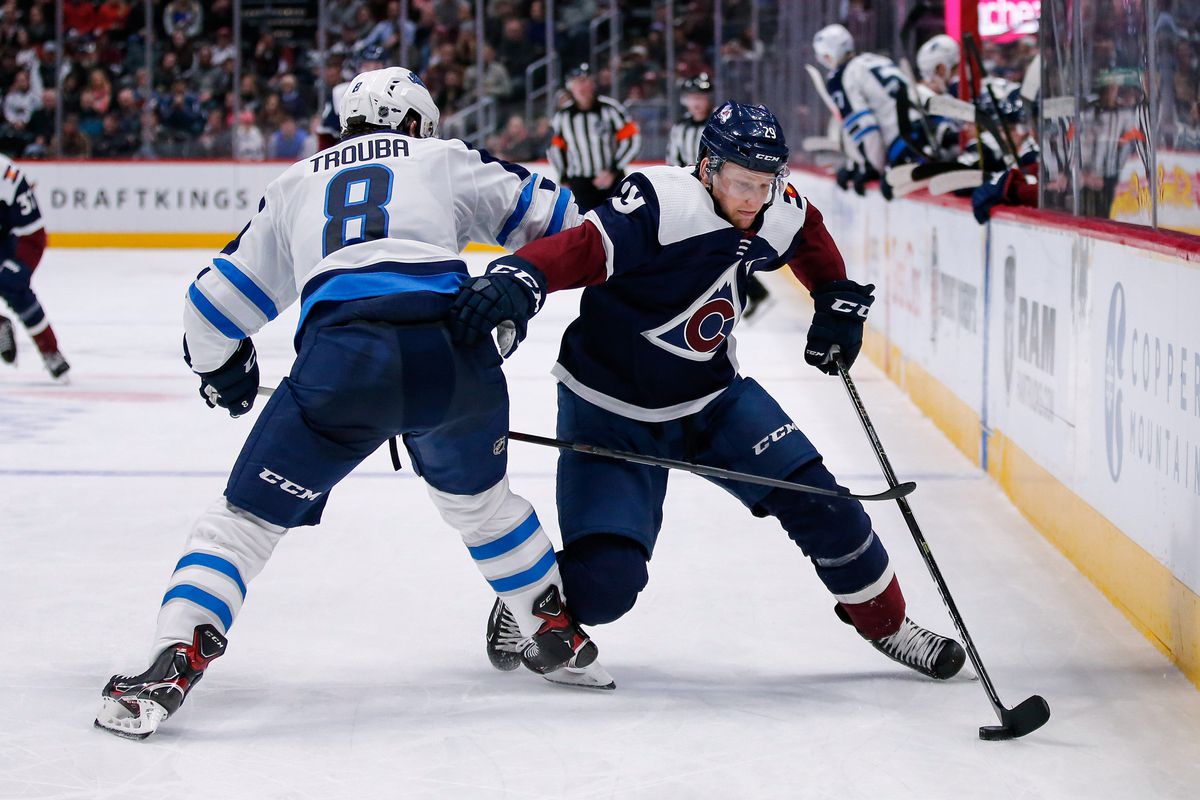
(374, 215)
(864, 90)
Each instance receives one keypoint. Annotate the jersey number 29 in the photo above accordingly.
(356, 206)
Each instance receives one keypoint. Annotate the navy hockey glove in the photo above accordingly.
(841, 312)
(999, 188)
(845, 175)
(505, 298)
(233, 385)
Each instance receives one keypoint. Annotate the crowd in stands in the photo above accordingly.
(172, 94)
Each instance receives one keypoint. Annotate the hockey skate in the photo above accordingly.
(134, 706)
(56, 365)
(560, 651)
(935, 656)
(8, 341)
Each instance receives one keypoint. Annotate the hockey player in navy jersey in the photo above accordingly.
(367, 235)
(22, 243)
(648, 366)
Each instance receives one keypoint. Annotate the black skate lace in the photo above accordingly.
(914, 644)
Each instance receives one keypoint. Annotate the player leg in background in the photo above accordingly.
(352, 386)
(757, 296)
(587, 196)
(746, 430)
(15, 278)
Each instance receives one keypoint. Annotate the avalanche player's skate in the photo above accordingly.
(926, 652)
(56, 365)
(560, 651)
(134, 706)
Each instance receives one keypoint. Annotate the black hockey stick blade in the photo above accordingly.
(1019, 721)
(894, 493)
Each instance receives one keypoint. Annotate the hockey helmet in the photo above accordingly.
(583, 70)
(1008, 106)
(749, 136)
(831, 45)
(385, 98)
(372, 55)
(697, 85)
(941, 50)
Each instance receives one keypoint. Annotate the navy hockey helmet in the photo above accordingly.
(749, 136)
(583, 70)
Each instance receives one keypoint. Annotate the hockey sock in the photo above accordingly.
(225, 550)
(505, 539)
(46, 341)
(881, 615)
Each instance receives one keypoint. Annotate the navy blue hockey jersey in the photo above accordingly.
(666, 280)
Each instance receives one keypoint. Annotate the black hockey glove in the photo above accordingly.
(505, 298)
(845, 175)
(841, 312)
(233, 385)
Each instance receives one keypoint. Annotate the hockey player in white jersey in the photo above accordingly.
(367, 236)
(872, 96)
(937, 64)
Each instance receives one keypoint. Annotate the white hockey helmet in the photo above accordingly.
(832, 44)
(385, 97)
(941, 50)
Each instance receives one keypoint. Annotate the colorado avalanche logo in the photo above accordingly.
(698, 332)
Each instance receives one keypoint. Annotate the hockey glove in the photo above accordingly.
(837, 326)
(845, 175)
(233, 385)
(505, 299)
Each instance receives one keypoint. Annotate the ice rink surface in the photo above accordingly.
(356, 669)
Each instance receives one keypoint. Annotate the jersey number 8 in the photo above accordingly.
(356, 206)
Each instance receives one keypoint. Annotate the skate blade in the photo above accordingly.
(118, 720)
(592, 676)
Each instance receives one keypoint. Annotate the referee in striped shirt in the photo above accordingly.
(593, 141)
(683, 141)
(683, 150)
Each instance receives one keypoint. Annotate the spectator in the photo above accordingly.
(179, 113)
(113, 141)
(496, 82)
(515, 51)
(41, 124)
(295, 102)
(217, 140)
(453, 91)
(290, 143)
(248, 142)
(181, 47)
(74, 145)
(267, 59)
(515, 144)
(206, 78)
(94, 102)
(129, 114)
(21, 100)
(185, 16)
(224, 50)
(112, 15)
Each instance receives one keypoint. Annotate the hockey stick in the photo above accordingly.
(1031, 713)
(897, 491)
(949, 182)
(894, 492)
(943, 105)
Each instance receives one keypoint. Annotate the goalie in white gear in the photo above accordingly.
(873, 98)
(367, 235)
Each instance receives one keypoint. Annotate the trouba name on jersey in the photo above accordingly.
(362, 150)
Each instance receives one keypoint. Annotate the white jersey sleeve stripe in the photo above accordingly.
(246, 285)
(212, 315)
(523, 202)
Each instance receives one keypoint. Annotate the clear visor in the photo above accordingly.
(744, 184)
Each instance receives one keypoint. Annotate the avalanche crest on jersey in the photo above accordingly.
(697, 333)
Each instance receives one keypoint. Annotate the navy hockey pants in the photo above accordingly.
(610, 512)
(354, 385)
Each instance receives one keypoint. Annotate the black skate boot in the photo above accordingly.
(134, 707)
(8, 341)
(56, 365)
(559, 642)
(504, 639)
(926, 652)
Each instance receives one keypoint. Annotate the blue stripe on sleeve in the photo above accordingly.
(527, 577)
(518, 214)
(218, 320)
(509, 541)
(215, 563)
(194, 594)
(560, 211)
(896, 149)
(247, 287)
(850, 119)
